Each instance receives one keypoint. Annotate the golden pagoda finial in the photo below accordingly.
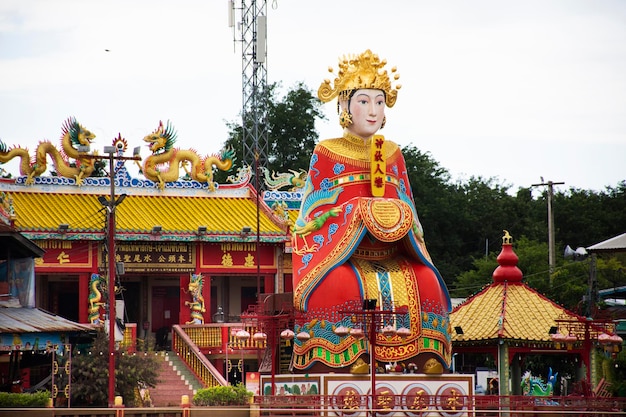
(360, 71)
(507, 239)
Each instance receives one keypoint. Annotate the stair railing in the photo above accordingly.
(189, 352)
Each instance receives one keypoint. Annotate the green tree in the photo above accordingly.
(90, 373)
(584, 217)
(292, 129)
(533, 261)
(436, 203)
(569, 286)
(291, 126)
(458, 218)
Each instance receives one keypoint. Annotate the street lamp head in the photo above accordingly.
(110, 149)
(119, 200)
(103, 200)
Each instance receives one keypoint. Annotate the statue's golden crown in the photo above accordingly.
(361, 71)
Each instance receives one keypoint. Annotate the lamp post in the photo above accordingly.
(585, 331)
(111, 204)
(267, 324)
(373, 317)
(111, 274)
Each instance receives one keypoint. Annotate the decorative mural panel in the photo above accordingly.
(38, 342)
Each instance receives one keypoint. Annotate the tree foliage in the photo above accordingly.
(90, 373)
(464, 221)
(291, 128)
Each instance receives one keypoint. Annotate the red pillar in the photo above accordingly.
(184, 314)
(268, 282)
(206, 293)
(83, 297)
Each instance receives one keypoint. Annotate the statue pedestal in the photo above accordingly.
(411, 394)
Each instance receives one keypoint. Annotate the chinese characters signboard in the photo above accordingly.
(66, 255)
(156, 256)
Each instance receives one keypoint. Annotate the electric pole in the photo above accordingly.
(551, 259)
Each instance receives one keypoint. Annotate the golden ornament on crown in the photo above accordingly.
(360, 71)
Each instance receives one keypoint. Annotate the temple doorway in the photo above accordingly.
(165, 312)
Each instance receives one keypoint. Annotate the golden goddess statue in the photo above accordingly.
(358, 237)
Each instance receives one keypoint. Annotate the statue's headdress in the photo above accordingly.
(360, 71)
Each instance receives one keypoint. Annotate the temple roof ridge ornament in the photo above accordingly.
(74, 163)
(507, 271)
(276, 180)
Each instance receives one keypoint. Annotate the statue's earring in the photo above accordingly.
(345, 119)
(384, 122)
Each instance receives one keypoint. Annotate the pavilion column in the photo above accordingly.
(516, 375)
(581, 372)
(503, 367)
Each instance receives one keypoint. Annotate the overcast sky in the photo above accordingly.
(515, 90)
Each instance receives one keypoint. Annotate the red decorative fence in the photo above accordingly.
(438, 405)
(348, 406)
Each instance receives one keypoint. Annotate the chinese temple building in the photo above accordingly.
(509, 321)
(188, 251)
(162, 237)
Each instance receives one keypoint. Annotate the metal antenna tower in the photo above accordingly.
(253, 38)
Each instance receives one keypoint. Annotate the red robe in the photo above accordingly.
(350, 246)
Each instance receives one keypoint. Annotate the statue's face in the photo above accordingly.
(367, 107)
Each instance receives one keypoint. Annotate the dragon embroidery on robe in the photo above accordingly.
(74, 135)
(97, 285)
(164, 163)
(197, 304)
(276, 181)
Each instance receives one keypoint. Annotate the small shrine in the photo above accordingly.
(510, 321)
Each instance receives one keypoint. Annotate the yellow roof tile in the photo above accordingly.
(38, 211)
(509, 311)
